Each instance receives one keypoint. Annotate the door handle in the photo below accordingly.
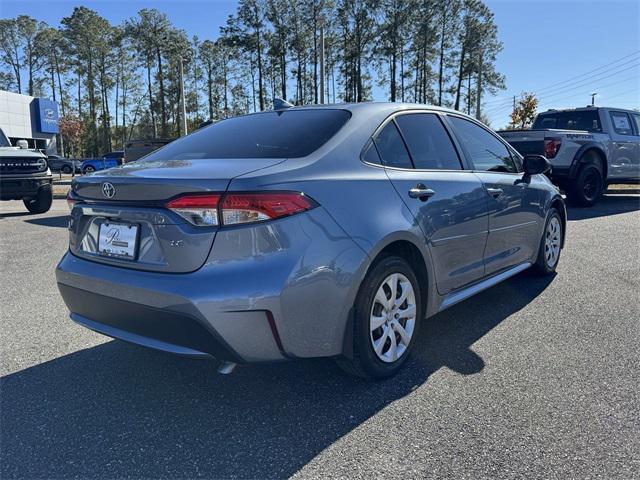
(495, 192)
(421, 192)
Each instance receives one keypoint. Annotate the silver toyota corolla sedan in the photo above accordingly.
(325, 231)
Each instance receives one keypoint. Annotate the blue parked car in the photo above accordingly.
(324, 231)
(108, 160)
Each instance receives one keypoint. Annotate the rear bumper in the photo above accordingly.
(266, 293)
(18, 187)
(162, 329)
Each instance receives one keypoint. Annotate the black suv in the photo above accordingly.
(25, 175)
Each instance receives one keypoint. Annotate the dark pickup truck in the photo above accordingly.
(25, 175)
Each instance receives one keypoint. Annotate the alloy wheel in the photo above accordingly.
(393, 318)
(552, 242)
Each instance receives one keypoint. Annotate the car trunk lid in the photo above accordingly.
(135, 195)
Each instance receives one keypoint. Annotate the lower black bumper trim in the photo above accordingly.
(158, 328)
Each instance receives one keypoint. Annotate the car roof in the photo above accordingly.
(585, 109)
(375, 107)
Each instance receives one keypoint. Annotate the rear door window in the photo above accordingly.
(621, 123)
(485, 151)
(370, 155)
(428, 142)
(281, 134)
(391, 147)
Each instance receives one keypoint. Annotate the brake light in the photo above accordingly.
(551, 146)
(239, 208)
(201, 210)
(257, 207)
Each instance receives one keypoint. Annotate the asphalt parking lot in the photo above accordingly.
(534, 378)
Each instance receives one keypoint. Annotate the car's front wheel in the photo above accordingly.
(88, 169)
(387, 313)
(41, 203)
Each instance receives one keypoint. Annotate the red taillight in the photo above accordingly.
(257, 207)
(201, 210)
(551, 146)
(238, 208)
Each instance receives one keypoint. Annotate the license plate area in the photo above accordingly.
(118, 240)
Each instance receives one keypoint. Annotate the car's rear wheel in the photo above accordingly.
(586, 189)
(88, 169)
(550, 244)
(387, 314)
(66, 169)
(41, 203)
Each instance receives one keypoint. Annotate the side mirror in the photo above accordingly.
(22, 144)
(535, 164)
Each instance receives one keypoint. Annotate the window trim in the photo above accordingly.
(629, 119)
(635, 123)
(518, 164)
(464, 165)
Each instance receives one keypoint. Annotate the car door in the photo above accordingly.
(447, 202)
(625, 151)
(513, 206)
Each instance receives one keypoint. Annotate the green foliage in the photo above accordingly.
(524, 112)
(123, 81)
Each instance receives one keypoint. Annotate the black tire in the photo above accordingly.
(88, 169)
(586, 189)
(66, 169)
(365, 362)
(543, 266)
(42, 202)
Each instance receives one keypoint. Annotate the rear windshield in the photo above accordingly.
(283, 134)
(578, 120)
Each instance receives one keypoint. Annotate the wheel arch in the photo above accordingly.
(404, 245)
(557, 203)
(579, 159)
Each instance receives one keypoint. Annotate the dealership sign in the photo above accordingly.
(46, 113)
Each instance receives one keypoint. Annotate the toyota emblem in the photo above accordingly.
(108, 190)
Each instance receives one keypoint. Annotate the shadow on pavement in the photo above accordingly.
(607, 205)
(61, 221)
(116, 410)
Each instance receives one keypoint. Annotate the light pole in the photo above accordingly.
(184, 106)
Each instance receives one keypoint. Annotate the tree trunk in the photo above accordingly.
(259, 52)
(442, 38)
(226, 82)
(15, 63)
(210, 90)
(53, 84)
(79, 97)
(460, 73)
(402, 71)
(59, 84)
(153, 115)
(315, 56)
(163, 107)
(479, 86)
(124, 110)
